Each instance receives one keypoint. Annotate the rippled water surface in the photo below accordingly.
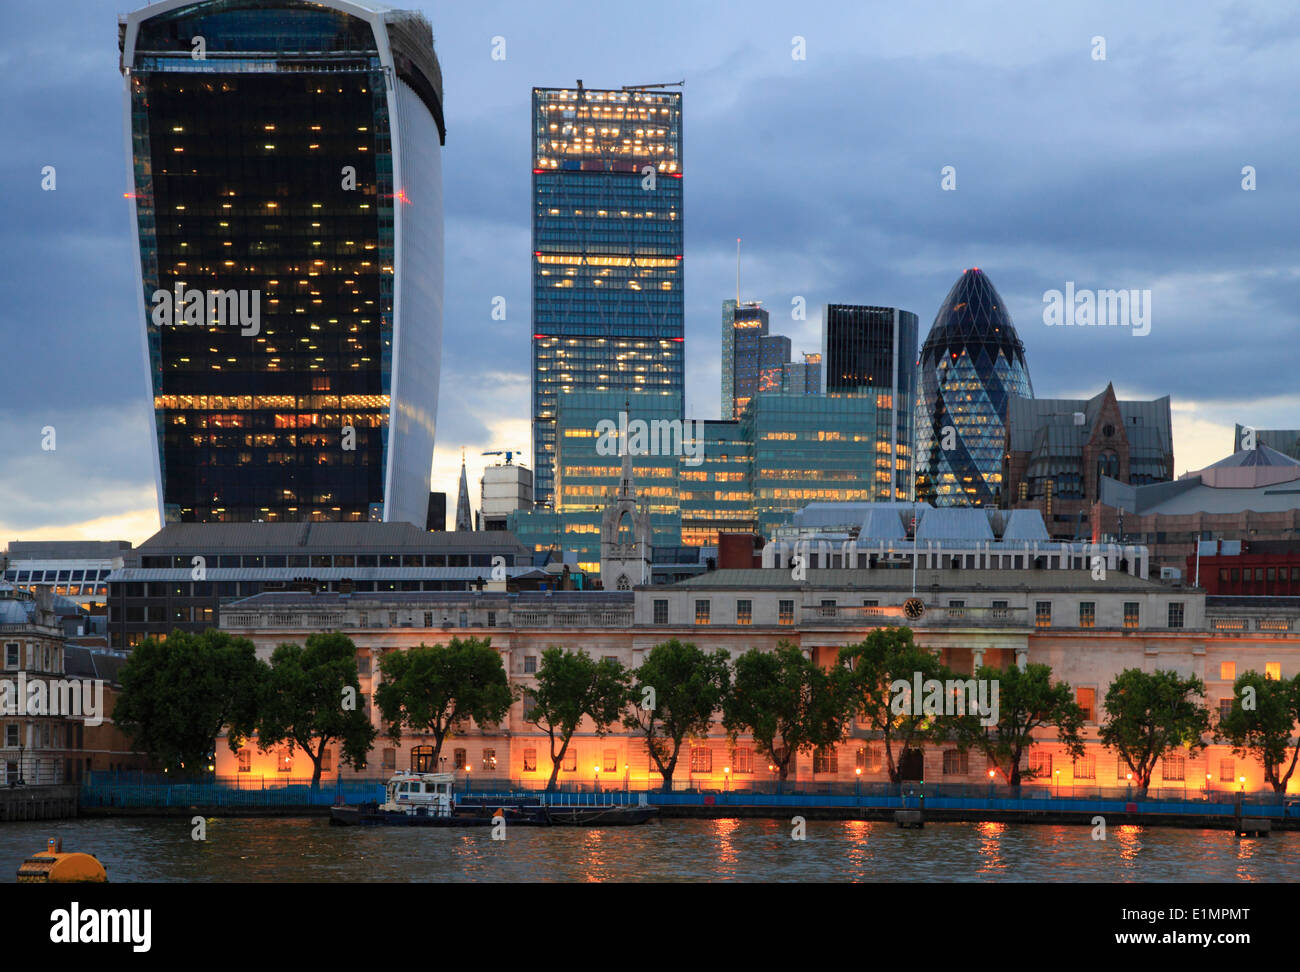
(309, 849)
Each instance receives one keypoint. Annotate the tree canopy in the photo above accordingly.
(178, 694)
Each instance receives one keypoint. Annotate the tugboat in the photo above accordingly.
(429, 800)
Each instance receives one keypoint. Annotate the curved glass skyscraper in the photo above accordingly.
(287, 202)
(970, 364)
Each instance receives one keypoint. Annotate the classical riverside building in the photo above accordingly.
(972, 363)
(1059, 450)
(35, 748)
(179, 577)
(287, 188)
(872, 351)
(103, 747)
(1252, 495)
(1086, 629)
(608, 299)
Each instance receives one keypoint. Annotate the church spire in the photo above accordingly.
(463, 521)
(626, 486)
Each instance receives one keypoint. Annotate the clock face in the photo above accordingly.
(913, 607)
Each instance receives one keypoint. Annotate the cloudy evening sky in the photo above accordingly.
(1122, 173)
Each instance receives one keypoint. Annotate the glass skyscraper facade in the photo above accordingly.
(871, 351)
(292, 172)
(755, 362)
(715, 494)
(608, 306)
(808, 449)
(971, 363)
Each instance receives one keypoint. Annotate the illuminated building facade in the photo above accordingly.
(1088, 629)
(872, 351)
(971, 364)
(715, 495)
(755, 362)
(295, 168)
(807, 449)
(608, 306)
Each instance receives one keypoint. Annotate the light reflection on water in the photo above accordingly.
(309, 849)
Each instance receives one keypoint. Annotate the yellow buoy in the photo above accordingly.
(56, 867)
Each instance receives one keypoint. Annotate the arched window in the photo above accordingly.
(623, 584)
(626, 532)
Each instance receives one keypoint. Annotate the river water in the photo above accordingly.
(309, 849)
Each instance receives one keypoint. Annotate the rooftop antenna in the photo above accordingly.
(737, 272)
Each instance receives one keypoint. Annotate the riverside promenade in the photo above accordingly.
(109, 795)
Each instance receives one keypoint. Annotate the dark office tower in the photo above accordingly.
(870, 350)
(753, 361)
(287, 204)
(971, 364)
(607, 252)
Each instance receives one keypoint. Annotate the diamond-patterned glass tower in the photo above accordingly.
(971, 363)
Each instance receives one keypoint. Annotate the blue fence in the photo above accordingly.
(132, 791)
(290, 795)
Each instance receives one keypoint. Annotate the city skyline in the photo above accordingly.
(1026, 208)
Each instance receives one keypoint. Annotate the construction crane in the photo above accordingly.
(644, 87)
(508, 453)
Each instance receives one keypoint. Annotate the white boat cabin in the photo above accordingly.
(421, 793)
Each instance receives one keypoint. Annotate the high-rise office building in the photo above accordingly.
(871, 351)
(608, 308)
(972, 363)
(715, 493)
(808, 449)
(287, 205)
(751, 358)
(755, 362)
(504, 488)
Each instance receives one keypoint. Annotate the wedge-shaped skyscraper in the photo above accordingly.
(287, 203)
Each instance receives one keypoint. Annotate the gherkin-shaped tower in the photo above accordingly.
(971, 363)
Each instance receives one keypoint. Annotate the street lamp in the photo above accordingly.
(1058, 782)
(1242, 781)
(597, 769)
(858, 784)
(726, 778)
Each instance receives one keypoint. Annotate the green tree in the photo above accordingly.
(178, 694)
(571, 686)
(674, 696)
(788, 703)
(1027, 701)
(438, 688)
(310, 699)
(889, 655)
(1149, 714)
(1262, 724)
